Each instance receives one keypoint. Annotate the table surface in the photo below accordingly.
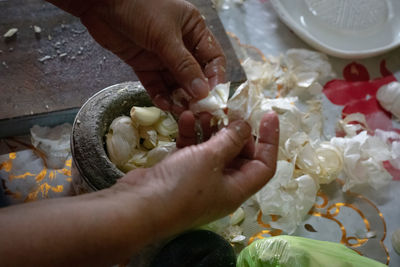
(252, 23)
(255, 23)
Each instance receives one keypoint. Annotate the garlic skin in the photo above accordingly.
(363, 157)
(214, 103)
(389, 98)
(396, 241)
(121, 140)
(290, 198)
(53, 143)
(298, 72)
(238, 216)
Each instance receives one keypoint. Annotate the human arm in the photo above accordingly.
(193, 186)
(166, 42)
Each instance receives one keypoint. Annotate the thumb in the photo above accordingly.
(229, 142)
(185, 69)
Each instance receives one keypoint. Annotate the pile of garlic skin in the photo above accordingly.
(291, 85)
(306, 157)
(141, 140)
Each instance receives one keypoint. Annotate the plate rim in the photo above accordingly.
(310, 39)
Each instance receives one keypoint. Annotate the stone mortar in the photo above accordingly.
(90, 127)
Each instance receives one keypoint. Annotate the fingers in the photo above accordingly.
(184, 67)
(187, 134)
(155, 86)
(228, 142)
(251, 175)
(268, 142)
(205, 123)
(205, 48)
(210, 55)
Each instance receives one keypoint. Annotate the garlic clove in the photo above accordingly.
(145, 116)
(167, 125)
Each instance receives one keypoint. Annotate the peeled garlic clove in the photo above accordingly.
(145, 116)
(237, 216)
(167, 126)
(121, 140)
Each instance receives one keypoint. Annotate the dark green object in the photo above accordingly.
(200, 248)
(293, 251)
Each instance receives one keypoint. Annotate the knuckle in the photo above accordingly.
(233, 139)
(211, 154)
(184, 64)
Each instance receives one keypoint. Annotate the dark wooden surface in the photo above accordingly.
(29, 87)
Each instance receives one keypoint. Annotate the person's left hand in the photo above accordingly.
(200, 183)
(166, 42)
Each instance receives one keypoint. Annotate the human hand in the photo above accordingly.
(166, 42)
(201, 183)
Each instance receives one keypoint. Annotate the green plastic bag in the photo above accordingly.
(293, 251)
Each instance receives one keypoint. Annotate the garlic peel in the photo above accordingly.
(389, 97)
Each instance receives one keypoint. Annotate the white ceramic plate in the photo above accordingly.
(344, 28)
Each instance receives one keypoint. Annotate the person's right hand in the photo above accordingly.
(201, 183)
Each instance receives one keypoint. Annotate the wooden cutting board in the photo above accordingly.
(43, 92)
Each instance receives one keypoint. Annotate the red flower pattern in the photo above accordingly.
(357, 93)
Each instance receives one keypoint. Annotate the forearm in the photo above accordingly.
(99, 229)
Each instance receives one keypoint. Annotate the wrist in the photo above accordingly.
(138, 212)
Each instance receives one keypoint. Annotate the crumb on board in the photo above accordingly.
(11, 34)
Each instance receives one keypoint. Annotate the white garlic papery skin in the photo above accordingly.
(363, 157)
(214, 103)
(290, 198)
(396, 241)
(121, 140)
(389, 98)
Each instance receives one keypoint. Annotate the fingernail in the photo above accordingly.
(242, 128)
(199, 88)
